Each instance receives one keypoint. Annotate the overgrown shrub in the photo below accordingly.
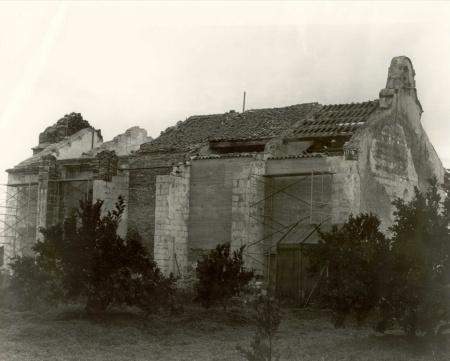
(416, 290)
(405, 279)
(93, 264)
(353, 255)
(221, 275)
(268, 318)
(30, 286)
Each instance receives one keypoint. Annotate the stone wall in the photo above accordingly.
(143, 170)
(247, 208)
(171, 221)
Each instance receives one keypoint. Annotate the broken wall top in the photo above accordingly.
(68, 148)
(123, 144)
(63, 128)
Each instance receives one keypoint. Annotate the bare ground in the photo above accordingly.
(197, 334)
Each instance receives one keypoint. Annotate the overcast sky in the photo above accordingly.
(153, 64)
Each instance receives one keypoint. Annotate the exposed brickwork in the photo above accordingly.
(107, 163)
(64, 127)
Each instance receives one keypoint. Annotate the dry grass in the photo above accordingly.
(197, 334)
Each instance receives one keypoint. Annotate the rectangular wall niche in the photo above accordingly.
(295, 206)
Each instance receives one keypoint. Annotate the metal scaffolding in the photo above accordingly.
(313, 210)
(19, 211)
(18, 216)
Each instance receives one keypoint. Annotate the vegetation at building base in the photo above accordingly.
(416, 284)
(405, 280)
(400, 281)
(353, 255)
(85, 260)
(221, 275)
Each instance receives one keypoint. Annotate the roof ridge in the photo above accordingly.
(249, 110)
(354, 103)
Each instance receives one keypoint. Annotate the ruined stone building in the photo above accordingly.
(264, 178)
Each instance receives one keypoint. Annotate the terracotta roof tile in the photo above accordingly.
(252, 124)
(307, 120)
(335, 120)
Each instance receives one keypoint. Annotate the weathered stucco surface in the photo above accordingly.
(395, 154)
(70, 147)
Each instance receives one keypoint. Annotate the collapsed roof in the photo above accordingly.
(301, 121)
(63, 128)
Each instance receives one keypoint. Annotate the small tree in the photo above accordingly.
(95, 265)
(221, 275)
(407, 280)
(353, 254)
(268, 318)
(417, 282)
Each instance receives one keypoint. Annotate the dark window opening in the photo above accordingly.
(245, 146)
(241, 149)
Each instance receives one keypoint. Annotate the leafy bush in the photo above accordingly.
(30, 285)
(268, 318)
(353, 255)
(221, 275)
(417, 282)
(93, 264)
(406, 279)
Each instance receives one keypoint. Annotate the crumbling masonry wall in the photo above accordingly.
(171, 221)
(247, 207)
(109, 192)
